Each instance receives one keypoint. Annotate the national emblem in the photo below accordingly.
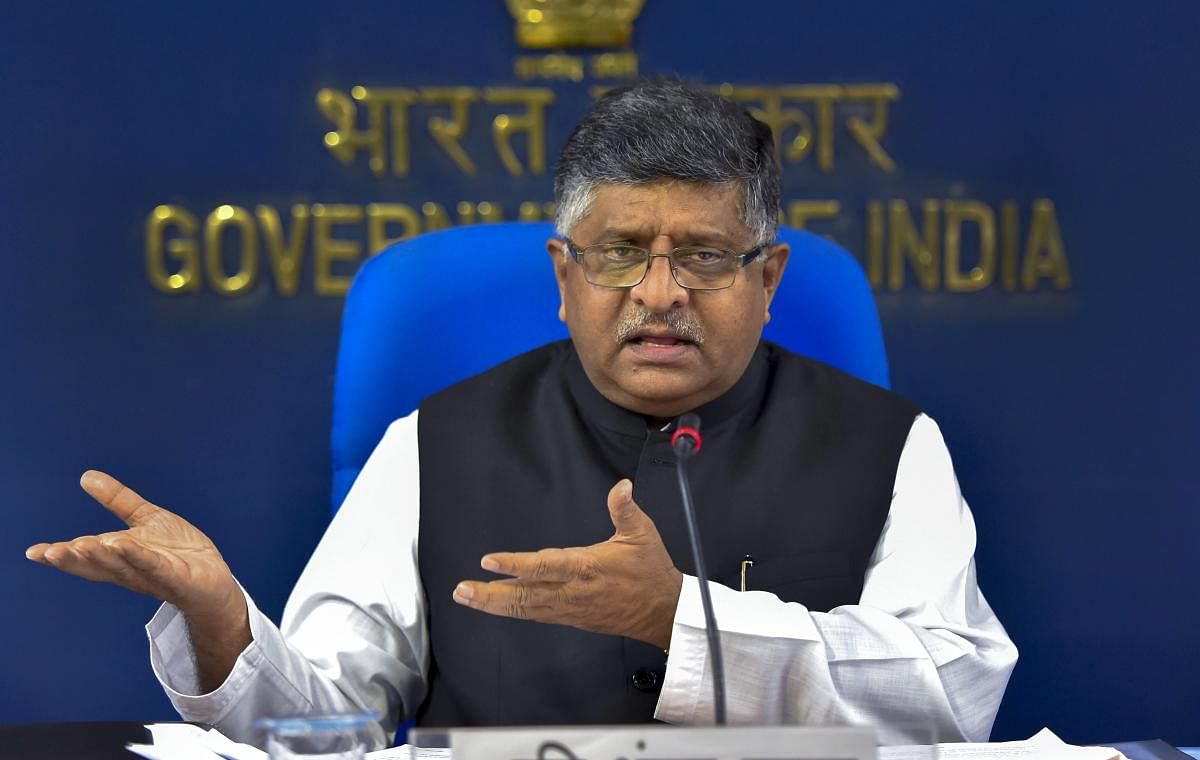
(574, 23)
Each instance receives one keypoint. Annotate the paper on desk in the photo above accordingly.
(228, 748)
(409, 752)
(182, 741)
(152, 752)
(1043, 745)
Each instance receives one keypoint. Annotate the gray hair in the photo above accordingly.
(669, 130)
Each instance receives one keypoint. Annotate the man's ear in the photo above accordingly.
(777, 258)
(558, 255)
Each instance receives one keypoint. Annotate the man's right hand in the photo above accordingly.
(165, 556)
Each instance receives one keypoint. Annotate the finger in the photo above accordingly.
(85, 557)
(106, 558)
(116, 497)
(556, 565)
(138, 557)
(118, 544)
(627, 517)
(512, 598)
(138, 567)
(56, 553)
(109, 565)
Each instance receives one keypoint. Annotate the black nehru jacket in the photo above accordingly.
(797, 469)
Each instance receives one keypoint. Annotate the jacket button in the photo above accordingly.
(645, 679)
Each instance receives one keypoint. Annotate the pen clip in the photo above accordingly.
(747, 563)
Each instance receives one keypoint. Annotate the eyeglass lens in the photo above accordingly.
(695, 268)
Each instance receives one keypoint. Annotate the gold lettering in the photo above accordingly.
(819, 130)
(800, 212)
(532, 122)
(553, 66)
(1009, 241)
(823, 98)
(448, 132)
(284, 251)
(525, 67)
(435, 216)
(384, 105)
(957, 245)
(982, 274)
(380, 215)
(1045, 256)
(214, 228)
(484, 212)
(904, 243)
(466, 212)
(529, 211)
(623, 65)
(781, 120)
(875, 224)
(182, 249)
(532, 211)
(489, 212)
(868, 133)
(345, 142)
(329, 249)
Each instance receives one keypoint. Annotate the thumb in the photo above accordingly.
(627, 517)
(117, 498)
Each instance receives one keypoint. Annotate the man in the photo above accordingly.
(861, 606)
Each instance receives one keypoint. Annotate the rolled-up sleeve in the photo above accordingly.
(921, 649)
(353, 635)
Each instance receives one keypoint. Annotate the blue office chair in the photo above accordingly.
(441, 307)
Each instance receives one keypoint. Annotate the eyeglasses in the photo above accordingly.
(695, 267)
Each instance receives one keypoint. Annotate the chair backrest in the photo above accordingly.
(438, 308)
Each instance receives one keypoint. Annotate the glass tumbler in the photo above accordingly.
(317, 737)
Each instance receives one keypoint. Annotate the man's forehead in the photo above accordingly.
(717, 193)
(702, 209)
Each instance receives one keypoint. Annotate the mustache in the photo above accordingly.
(680, 324)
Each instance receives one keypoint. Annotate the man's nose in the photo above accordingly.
(658, 292)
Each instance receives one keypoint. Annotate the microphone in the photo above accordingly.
(686, 442)
(686, 438)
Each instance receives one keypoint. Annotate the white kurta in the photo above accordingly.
(922, 647)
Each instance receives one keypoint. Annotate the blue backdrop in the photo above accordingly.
(1063, 385)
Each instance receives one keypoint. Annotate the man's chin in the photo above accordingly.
(659, 393)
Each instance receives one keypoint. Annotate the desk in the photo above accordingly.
(106, 741)
(82, 741)
(1154, 750)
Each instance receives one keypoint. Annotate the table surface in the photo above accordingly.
(84, 741)
(107, 740)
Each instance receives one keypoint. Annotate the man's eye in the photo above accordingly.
(622, 253)
(701, 257)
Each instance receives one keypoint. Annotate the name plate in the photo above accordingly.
(652, 743)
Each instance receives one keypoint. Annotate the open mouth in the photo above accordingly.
(659, 341)
(659, 349)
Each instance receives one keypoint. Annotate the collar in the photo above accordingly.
(594, 407)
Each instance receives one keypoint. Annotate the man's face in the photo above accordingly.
(657, 348)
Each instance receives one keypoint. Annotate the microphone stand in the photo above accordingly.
(685, 442)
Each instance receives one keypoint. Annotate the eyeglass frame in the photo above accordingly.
(742, 260)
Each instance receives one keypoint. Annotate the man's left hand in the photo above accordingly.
(625, 586)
